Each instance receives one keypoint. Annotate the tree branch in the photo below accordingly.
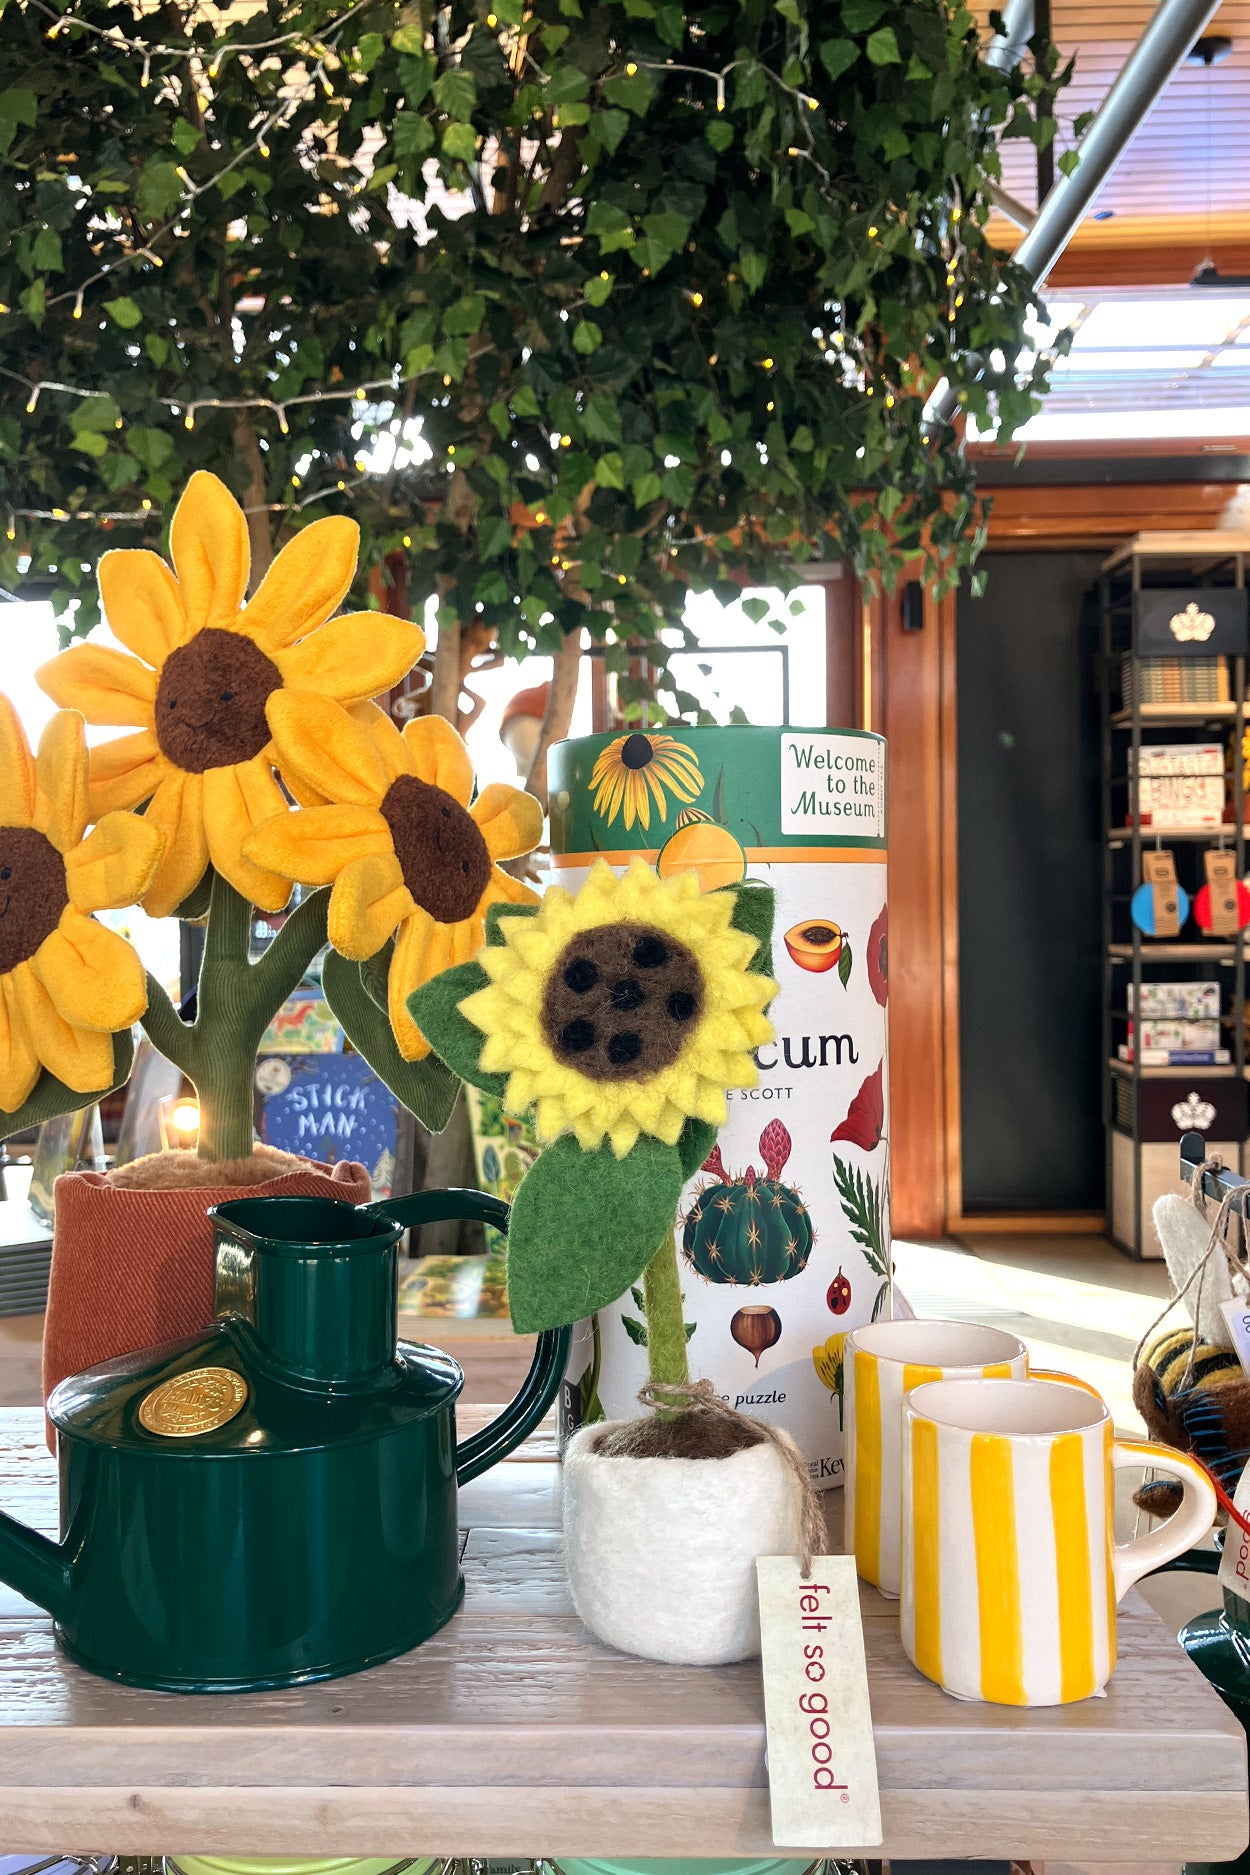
(558, 716)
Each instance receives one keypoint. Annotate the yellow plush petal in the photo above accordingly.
(211, 552)
(304, 584)
(316, 843)
(125, 771)
(82, 1058)
(107, 686)
(436, 754)
(142, 602)
(177, 812)
(422, 949)
(504, 889)
(92, 975)
(116, 863)
(17, 772)
(510, 822)
(326, 747)
(368, 901)
(235, 801)
(386, 739)
(19, 1065)
(61, 805)
(353, 658)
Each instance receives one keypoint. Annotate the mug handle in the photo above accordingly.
(1063, 1380)
(1187, 1526)
(519, 1418)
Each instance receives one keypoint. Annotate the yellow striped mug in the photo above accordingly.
(882, 1362)
(1011, 1570)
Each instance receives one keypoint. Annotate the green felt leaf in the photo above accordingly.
(753, 912)
(695, 1141)
(434, 1007)
(51, 1097)
(495, 914)
(427, 1088)
(584, 1226)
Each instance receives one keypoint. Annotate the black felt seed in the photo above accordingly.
(577, 1037)
(624, 1048)
(650, 953)
(681, 1005)
(581, 975)
(628, 994)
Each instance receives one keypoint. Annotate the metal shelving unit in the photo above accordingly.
(1175, 562)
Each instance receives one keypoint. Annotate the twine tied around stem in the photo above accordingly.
(701, 1396)
(1217, 1244)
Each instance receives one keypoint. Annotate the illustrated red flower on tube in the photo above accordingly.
(864, 1125)
(878, 948)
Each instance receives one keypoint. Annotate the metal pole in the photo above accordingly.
(1160, 50)
(1009, 47)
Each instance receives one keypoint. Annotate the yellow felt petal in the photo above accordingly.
(17, 772)
(368, 901)
(177, 812)
(422, 949)
(125, 771)
(19, 1064)
(92, 975)
(235, 801)
(211, 553)
(353, 657)
(61, 805)
(142, 602)
(82, 1058)
(116, 863)
(437, 754)
(316, 843)
(304, 584)
(324, 745)
(107, 686)
(510, 822)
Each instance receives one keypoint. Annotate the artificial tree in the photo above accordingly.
(664, 289)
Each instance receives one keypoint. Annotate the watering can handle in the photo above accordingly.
(517, 1421)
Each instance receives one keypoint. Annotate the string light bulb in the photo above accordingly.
(78, 303)
(188, 421)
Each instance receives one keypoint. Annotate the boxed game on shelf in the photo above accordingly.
(1181, 784)
(1176, 680)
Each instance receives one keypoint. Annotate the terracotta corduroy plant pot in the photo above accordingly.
(132, 1253)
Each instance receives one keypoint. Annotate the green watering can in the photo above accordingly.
(273, 1500)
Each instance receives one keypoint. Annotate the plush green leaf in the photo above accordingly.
(51, 1097)
(427, 1088)
(584, 1226)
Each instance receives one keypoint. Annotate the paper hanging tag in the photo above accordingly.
(1234, 1572)
(1159, 872)
(822, 1760)
(1236, 1313)
(1221, 870)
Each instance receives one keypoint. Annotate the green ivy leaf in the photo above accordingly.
(597, 289)
(185, 137)
(587, 337)
(882, 47)
(465, 315)
(90, 442)
(409, 39)
(46, 252)
(456, 93)
(123, 312)
(609, 127)
(95, 413)
(718, 133)
(460, 143)
(610, 226)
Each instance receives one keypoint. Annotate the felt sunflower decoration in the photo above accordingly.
(634, 768)
(201, 668)
(621, 1015)
(409, 851)
(66, 982)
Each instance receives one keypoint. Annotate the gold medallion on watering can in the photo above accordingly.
(194, 1402)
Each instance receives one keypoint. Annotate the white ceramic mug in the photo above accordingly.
(882, 1362)
(1010, 1570)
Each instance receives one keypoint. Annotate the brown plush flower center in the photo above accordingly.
(445, 862)
(620, 1001)
(210, 702)
(32, 893)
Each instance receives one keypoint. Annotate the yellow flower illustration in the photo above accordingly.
(625, 1009)
(403, 847)
(828, 1362)
(206, 666)
(66, 982)
(634, 768)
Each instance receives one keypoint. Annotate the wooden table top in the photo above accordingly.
(512, 1733)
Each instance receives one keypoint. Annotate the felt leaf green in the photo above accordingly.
(434, 1007)
(695, 1141)
(51, 1097)
(584, 1226)
(496, 913)
(754, 908)
(427, 1088)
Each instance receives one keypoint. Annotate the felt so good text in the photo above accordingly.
(814, 1705)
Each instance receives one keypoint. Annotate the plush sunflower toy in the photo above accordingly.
(620, 1015)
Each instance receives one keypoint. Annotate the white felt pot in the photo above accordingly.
(661, 1551)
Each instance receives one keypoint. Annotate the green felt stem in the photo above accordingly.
(236, 1002)
(666, 1327)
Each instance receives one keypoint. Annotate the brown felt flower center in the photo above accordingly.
(621, 1000)
(32, 893)
(210, 702)
(445, 862)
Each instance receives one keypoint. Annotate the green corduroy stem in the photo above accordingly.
(236, 1002)
(666, 1329)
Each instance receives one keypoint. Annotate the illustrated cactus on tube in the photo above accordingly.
(748, 1228)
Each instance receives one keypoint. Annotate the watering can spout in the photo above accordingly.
(37, 1568)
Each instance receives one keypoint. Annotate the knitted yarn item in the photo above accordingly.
(134, 1268)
